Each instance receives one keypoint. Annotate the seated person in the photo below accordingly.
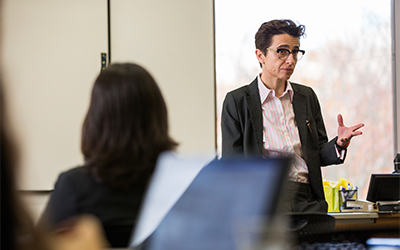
(125, 130)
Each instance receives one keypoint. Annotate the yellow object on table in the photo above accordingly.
(331, 190)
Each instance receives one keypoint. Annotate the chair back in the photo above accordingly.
(312, 227)
(118, 234)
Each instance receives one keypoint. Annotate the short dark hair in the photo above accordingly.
(267, 30)
(126, 126)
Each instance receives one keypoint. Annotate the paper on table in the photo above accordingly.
(172, 176)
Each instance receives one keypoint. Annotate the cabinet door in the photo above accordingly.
(174, 40)
(51, 54)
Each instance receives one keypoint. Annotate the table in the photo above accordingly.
(366, 225)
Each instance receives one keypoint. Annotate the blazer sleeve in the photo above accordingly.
(62, 203)
(232, 135)
(329, 154)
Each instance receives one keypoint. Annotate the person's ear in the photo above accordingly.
(260, 56)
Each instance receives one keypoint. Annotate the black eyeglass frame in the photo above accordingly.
(294, 53)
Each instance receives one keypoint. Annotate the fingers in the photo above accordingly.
(348, 138)
(347, 133)
(340, 120)
(358, 126)
(353, 128)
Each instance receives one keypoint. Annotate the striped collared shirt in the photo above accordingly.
(280, 133)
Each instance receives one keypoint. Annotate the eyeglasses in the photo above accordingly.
(283, 54)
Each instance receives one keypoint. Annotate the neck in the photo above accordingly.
(278, 85)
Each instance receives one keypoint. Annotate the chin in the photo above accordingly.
(285, 78)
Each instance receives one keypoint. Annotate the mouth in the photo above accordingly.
(287, 70)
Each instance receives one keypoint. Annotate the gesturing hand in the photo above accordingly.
(346, 133)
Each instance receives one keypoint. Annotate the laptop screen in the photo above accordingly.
(384, 187)
(225, 197)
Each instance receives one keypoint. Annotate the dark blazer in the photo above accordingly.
(242, 129)
(78, 192)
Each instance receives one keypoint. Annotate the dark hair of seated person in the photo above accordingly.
(126, 126)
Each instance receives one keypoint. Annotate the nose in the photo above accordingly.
(290, 59)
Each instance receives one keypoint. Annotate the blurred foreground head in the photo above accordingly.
(17, 227)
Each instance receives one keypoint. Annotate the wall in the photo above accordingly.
(50, 57)
(174, 40)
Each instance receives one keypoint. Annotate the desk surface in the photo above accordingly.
(351, 216)
(360, 221)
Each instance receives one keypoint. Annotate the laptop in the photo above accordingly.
(384, 190)
(227, 200)
(384, 187)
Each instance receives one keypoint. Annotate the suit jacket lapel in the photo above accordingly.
(300, 113)
(254, 105)
(299, 108)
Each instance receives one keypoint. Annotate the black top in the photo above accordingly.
(78, 192)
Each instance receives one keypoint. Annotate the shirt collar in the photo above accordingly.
(265, 92)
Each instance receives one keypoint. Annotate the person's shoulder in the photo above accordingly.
(301, 88)
(75, 178)
(76, 170)
(76, 173)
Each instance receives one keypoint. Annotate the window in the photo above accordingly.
(347, 62)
